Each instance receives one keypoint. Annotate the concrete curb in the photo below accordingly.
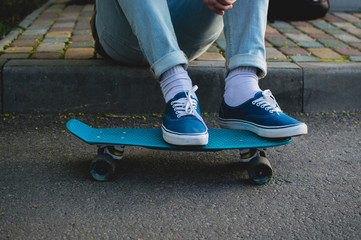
(103, 86)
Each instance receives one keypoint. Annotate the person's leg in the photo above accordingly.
(141, 32)
(245, 106)
(196, 26)
(244, 30)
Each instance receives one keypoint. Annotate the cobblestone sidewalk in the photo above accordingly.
(60, 30)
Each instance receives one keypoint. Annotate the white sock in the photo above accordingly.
(174, 81)
(241, 84)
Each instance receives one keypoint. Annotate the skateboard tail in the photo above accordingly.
(79, 129)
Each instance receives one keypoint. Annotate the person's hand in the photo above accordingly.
(219, 6)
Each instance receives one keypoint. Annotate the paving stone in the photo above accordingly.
(349, 27)
(50, 47)
(38, 36)
(346, 16)
(9, 38)
(289, 30)
(310, 44)
(320, 36)
(310, 29)
(83, 27)
(325, 53)
(270, 29)
(24, 43)
(280, 42)
(46, 15)
(88, 7)
(58, 5)
(221, 36)
(88, 44)
(274, 54)
(64, 25)
(84, 18)
(35, 32)
(348, 38)
(55, 40)
(55, 55)
(65, 29)
(267, 44)
(357, 24)
(38, 27)
(82, 32)
(304, 59)
(299, 23)
(64, 34)
(213, 48)
(211, 56)
(15, 55)
(82, 38)
(25, 37)
(335, 31)
(67, 18)
(18, 49)
(348, 51)
(274, 35)
(80, 22)
(333, 43)
(73, 8)
(70, 14)
(222, 44)
(299, 37)
(53, 10)
(281, 25)
(355, 58)
(79, 53)
(357, 14)
(321, 25)
(40, 22)
(356, 45)
(86, 13)
(331, 18)
(294, 51)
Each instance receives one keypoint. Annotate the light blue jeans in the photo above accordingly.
(165, 33)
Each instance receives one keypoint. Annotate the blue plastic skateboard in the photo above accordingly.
(111, 143)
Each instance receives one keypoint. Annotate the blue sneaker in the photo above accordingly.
(261, 115)
(182, 121)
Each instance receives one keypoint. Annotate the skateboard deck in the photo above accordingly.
(111, 143)
(219, 139)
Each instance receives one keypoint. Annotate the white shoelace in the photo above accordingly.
(268, 102)
(187, 105)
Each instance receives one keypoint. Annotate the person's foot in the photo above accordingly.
(261, 115)
(182, 121)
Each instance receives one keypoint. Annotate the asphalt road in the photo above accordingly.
(46, 191)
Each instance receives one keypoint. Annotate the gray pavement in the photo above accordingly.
(46, 191)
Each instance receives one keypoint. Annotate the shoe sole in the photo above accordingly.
(265, 131)
(181, 139)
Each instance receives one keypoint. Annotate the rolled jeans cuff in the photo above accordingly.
(247, 60)
(168, 61)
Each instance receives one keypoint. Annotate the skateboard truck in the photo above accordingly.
(103, 166)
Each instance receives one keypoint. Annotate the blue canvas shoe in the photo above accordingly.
(261, 115)
(182, 121)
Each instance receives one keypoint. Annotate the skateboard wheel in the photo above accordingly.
(102, 167)
(260, 170)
